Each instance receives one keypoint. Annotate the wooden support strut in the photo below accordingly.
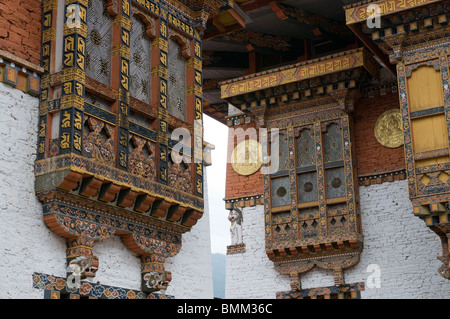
(90, 186)
(144, 202)
(160, 208)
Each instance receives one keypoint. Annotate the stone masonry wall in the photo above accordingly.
(397, 246)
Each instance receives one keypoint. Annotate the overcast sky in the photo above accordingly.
(216, 133)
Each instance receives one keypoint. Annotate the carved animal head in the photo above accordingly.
(83, 266)
(156, 281)
(235, 216)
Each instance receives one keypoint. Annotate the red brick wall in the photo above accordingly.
(238, 185)
(20, 28)
(371, 156)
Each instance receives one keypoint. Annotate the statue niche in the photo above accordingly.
(236, 219)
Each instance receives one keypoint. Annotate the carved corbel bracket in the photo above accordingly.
(296, 283)
(153, 253)
(191, 217)
(154, 277)
(81, 236)
(346, 98)
(259, 113)
(337, 264)
(395, 44)
(444, 234)
(80, 257)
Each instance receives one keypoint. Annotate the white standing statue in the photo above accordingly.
(235, 217)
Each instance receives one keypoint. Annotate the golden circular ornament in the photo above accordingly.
(388, 129)
(246, 157)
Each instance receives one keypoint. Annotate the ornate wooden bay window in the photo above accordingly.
(414, 36)
(310, 199)
(119, 77)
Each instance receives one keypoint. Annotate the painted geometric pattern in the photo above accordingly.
(140, 61)
(177, 81)
(99, 41)
(56, 288)
(348, 291)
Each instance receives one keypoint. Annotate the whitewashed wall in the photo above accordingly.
(28, 246)
(192, 268)
(396, 241)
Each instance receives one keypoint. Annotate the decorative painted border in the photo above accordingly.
(238, 120)
(357, 12)
(55, 287)
(380, 178)
(248, 201)
(90, 167)
(293, 73)
(326, 292)
(65, 205)
(18, 74)
(236, 249)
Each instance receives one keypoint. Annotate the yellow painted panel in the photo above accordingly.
(425, 89)
(432, 161)
(429, 133)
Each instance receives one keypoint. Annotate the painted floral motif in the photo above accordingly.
(278, 43)
(141, 157)
(98, 141)
(58, 284)
(180, 175)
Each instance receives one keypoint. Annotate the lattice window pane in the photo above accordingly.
(283, 151)
(305, 153)
(307, 187)
(99, 42)
(177, 81)
(140, 61)
(280, 191)
(335, 182)
(332, 143)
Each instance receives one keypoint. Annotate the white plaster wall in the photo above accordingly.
(251, 275)
(118, 265)
(396, 241)
(192, 267)
(403, 247)
(28, 246)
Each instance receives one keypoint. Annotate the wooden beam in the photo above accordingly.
(218, 33)
(239, 19)
(278, 11)
(356, 28)
(256, 4)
